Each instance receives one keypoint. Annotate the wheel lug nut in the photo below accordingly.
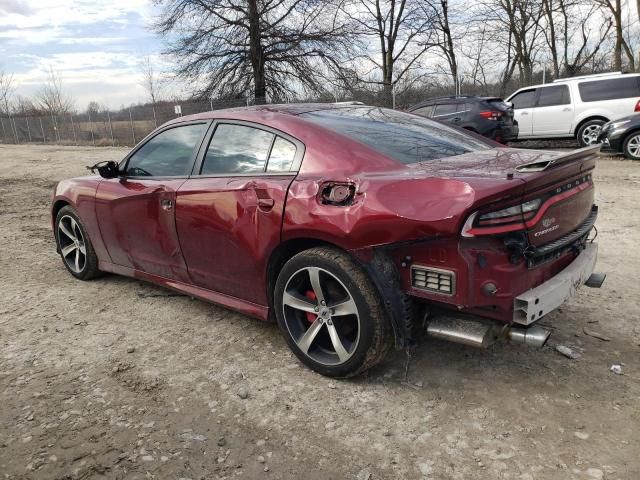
(329, 322)
(320, 319)
(323, 302)
(315, 309)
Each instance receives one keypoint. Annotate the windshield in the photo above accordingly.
(401, 136)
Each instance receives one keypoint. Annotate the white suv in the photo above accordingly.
(575, 107)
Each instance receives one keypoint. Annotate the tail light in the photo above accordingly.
(491, 115)
(503, 220)
(637, 109)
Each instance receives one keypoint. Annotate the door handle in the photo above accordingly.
(457, 119)
(266, 203)
(566, 109)
(166, 204)
(524, 113)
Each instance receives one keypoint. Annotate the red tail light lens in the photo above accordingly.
(637, 109)
(491, 115)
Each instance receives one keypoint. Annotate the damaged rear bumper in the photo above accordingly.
(537, 302)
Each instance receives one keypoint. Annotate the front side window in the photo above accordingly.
(555, 95)
(403, 137)
(424, 111)
(610, 89)
(237, 149)
(524, 99)
(168, 154)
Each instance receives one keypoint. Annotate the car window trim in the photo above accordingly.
(293, 170)
(194, 155)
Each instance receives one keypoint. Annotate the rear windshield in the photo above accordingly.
(401, 136)
(610, 89)
(498, 104)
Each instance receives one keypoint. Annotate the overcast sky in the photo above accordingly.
(96, 45)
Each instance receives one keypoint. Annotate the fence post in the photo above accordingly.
(4, 134)
(26, 119)
(93, 138)
(155, 122)
(113, 143)
(44, 138)
(15, 129)
(133, 132)
(73, 128)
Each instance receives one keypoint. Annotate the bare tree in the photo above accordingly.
(151, 80)
(614, 7)
(52, 98)
(273, 47)
(572, 42)
(403, 33)
(445, 39)
(7, 91)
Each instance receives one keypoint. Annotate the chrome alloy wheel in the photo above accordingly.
(590, 134)
(633, 146)
(72, 245)
(321, 316)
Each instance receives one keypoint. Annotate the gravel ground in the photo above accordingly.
(116, 378)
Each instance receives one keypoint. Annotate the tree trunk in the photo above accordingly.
(617, 51)
(257, 54)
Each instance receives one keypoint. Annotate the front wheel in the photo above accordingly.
(330, 313)
(631, 147)
(588, 133)
(74, 245)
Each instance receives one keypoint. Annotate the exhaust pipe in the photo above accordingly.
(478, 332)
(462, 330)
(533, 336)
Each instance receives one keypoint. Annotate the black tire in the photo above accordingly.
(631, 147)
(88, 264)
(337, 270)
(588, 130)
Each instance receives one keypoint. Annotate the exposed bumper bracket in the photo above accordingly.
(537, 302)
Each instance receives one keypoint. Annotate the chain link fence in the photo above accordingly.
(126, 127)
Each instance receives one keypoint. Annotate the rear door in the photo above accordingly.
(446, 112)
(136, 211)
(229, 213)
(553, 114)
(523, 103)
(615, 97)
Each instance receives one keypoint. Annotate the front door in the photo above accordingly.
(136, 212)
(523, 103)
(229, 215)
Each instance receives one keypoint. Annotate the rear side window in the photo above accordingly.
(445, 109)
(168, 154)
(524, 99)
(400, 136)
(237, 149)
(282, 155)
(610, 89)
(555, 95)
(243, 149)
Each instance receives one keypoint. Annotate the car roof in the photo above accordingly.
(454, 98)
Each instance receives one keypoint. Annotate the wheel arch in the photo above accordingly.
(378, 266)
(588, 119)
(56, 207)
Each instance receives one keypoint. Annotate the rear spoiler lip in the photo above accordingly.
(541, 166)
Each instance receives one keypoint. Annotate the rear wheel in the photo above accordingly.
(589, 131)
(330, 313)
(75, 246)
(631, 147)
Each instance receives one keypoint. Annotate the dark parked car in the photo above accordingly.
(351, 225)
(490, 117)
(622, 136)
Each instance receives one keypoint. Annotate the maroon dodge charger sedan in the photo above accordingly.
(355, 227)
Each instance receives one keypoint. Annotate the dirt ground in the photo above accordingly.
(116, 378)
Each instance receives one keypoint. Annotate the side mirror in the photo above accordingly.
(105, 169)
